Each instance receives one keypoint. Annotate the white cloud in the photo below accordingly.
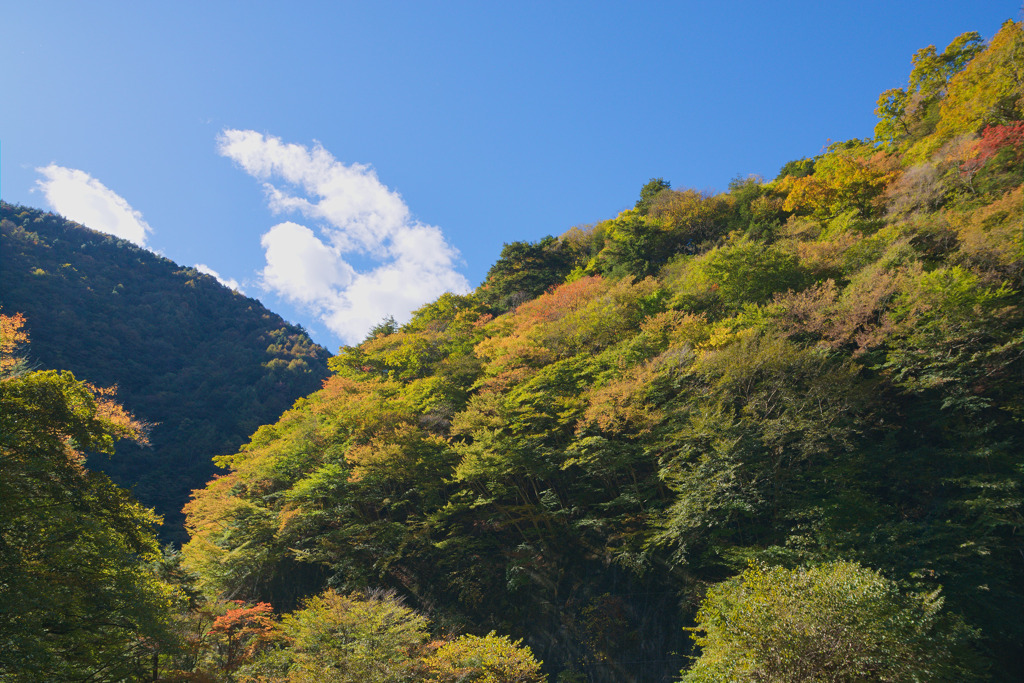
(302, 267)
(228, 282)
(77, 195)
(356, 215)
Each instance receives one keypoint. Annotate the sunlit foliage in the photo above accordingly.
(77, 601)
(487, 659)
(814, 375)
(831, 622)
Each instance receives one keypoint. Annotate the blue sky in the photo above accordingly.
(345, 161)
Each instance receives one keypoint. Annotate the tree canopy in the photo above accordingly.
(203, 365)
(76, 599)
(785, 419)
(817, 374)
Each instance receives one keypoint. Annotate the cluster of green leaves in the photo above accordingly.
(834, 622)
(204, 365)
(524, 271)
(77, 601)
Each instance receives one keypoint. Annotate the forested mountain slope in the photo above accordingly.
(204, 365)
(805, 381)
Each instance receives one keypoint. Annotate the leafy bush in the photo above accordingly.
(832, 622)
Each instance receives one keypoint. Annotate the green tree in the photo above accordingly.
(756, 210)
(525, 270)
(833, 622)
(639, 244)
(746, 271)
(798, 168)
(368, 638)
(649, 192)
(77, 601)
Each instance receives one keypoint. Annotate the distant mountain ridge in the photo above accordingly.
(205, 365)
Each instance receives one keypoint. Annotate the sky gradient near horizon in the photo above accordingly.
(346, 161)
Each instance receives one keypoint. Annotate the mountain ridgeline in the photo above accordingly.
(204, 365)
(768, 434)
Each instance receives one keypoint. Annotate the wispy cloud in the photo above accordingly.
(77, 195)
(355, 214)
(228, 282)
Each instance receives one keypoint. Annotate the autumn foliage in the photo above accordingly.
(817, 372)
(772, 433)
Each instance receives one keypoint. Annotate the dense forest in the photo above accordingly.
(769, 434)
(203, 365)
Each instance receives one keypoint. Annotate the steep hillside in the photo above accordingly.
(821, 373)
(204, 365)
